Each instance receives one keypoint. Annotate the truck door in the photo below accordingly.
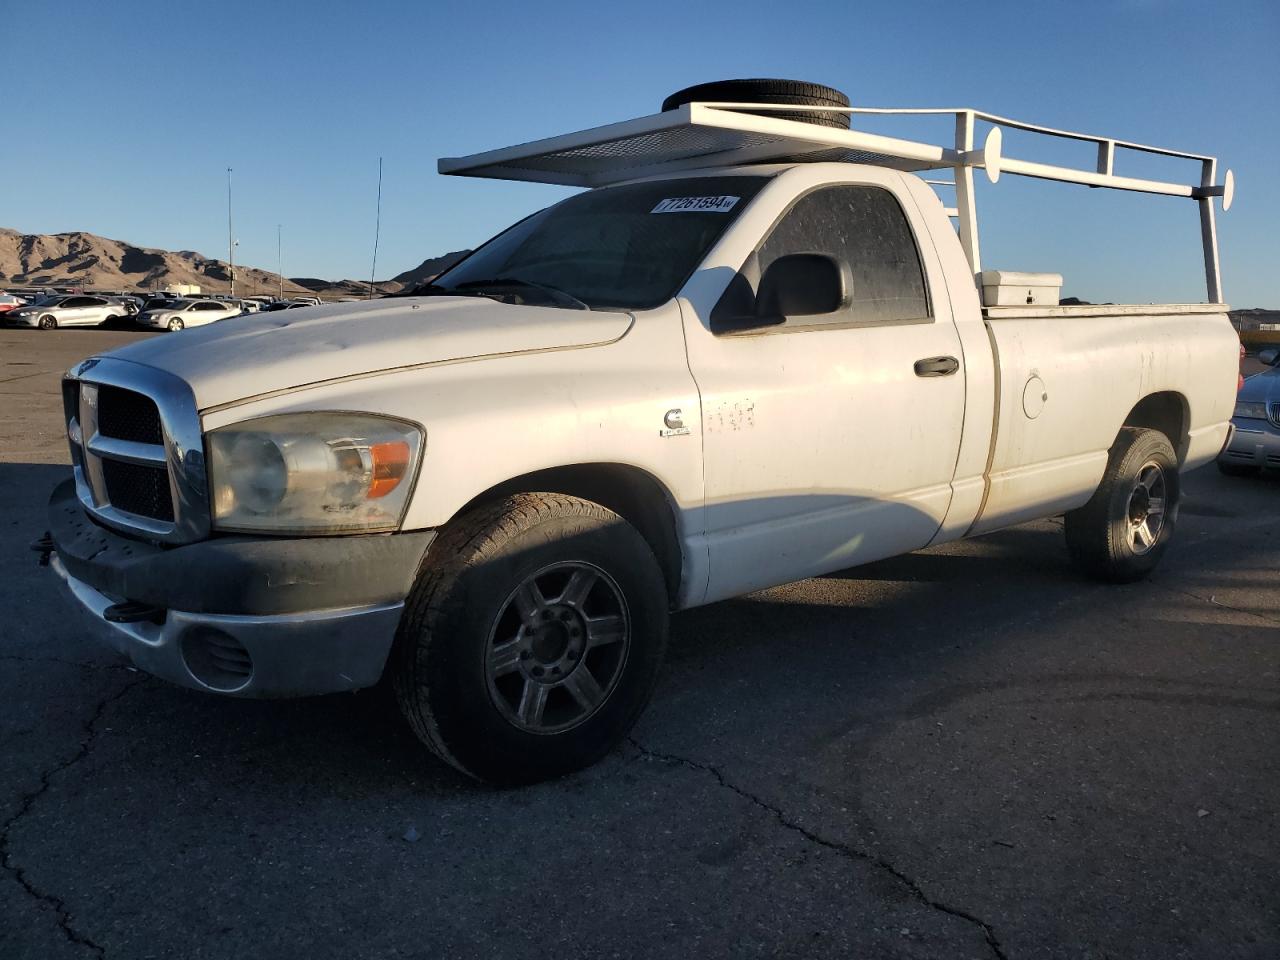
(829, 440)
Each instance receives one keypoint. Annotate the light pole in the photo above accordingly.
(279, 266)
(231, 245)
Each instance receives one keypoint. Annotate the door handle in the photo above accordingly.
(937, 366)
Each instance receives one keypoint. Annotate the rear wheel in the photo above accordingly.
(532, 640)
(48, 322)
(1125, 528)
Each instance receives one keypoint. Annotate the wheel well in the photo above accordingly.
(628, 491)
(1166, 412)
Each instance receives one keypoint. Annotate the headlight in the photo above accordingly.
(313, 473)
(1251, 411)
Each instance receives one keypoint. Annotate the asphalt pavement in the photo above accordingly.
(967, 752)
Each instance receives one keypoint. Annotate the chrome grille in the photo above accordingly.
(137, 450)
(1273, 413)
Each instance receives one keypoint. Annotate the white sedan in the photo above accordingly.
(187, 313)
(65, 310)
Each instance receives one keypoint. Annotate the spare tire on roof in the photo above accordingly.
(792, 92)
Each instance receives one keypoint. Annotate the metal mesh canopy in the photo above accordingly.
(686, 138)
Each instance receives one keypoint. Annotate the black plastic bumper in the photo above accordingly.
(236, 574)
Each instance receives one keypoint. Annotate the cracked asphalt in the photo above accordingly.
(967, 752)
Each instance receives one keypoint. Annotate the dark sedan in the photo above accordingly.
(1255, 441)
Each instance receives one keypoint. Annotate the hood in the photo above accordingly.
(247, 356)
(1261, 387)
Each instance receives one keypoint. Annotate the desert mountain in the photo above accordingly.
(92, 262)
(99, 263)
(428, 268)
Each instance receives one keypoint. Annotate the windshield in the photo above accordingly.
(630, 247)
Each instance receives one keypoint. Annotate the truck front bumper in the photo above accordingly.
(242, 616)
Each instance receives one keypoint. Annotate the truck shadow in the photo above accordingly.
(882, 625)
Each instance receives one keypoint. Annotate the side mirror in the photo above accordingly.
(1269, 356)
(802, 284)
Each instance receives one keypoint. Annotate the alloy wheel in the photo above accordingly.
(1146, 511)
(558, 647)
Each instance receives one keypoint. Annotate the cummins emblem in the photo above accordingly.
(673, 425)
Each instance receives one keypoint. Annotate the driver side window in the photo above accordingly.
(864, 229)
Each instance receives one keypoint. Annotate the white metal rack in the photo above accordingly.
(700, 135)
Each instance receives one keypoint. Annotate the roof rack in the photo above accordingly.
(699, 135)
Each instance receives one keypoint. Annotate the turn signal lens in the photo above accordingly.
(390, 466)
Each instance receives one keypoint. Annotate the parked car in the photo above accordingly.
(180, 314)
(67, 310)
(9, 301)
(132, 305)
(286, 305)
(1255, 437)
(652, 395)
(249, 306)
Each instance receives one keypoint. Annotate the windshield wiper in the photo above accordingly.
(426, 289)
(554, 292)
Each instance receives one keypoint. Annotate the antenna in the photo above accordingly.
(231, 245)
(376, 231)
(279, 266)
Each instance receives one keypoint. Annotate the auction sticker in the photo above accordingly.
(696, 205)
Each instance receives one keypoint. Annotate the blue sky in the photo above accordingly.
(130, 113)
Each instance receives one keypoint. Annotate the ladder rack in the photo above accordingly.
(701, 135)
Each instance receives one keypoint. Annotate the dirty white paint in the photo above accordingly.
(730, 415)
(805, 451)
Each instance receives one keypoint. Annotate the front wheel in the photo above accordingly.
(48, 322)
(176, 324)
(1125, 528)
(532, 640)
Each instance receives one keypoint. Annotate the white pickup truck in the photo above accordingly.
(714, 372)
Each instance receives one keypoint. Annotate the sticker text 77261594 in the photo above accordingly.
(695, 205)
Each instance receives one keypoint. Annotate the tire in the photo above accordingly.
(48, 322)
(110, 323)
(1237, 469)
(1122, 532)
(493, 637)
(770, 91)
(176, 324)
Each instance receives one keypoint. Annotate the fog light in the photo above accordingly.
(216, 659)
